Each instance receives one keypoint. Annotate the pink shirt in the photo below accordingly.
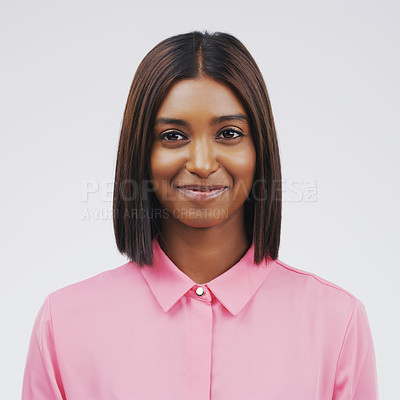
(253, 333)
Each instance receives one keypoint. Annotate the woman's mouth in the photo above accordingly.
(197, 192)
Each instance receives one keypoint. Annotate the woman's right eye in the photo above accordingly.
(172, 136)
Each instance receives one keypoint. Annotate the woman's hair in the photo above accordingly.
(137, 213)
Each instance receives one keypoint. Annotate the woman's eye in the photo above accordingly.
(171, 136)
(174, 136)
(230, 134)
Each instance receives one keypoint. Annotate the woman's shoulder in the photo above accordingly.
(309, 286)
(107, 285)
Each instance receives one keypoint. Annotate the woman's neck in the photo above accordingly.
(204, 253)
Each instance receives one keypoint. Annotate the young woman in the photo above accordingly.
(204, 309)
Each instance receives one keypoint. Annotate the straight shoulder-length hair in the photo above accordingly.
(137, 213)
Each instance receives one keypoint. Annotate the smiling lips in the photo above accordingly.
(202, 192)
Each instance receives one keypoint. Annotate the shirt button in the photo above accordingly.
(200, 291)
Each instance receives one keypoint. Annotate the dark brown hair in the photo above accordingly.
(225, 59)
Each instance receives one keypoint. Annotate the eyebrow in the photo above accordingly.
(214, 121)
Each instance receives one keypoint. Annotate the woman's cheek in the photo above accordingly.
(241, 164)
(165, 165)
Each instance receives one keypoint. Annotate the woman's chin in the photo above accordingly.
(201, 218)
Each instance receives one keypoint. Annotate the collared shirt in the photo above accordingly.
(255, 332)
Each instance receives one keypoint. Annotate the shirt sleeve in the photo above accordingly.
(356, 377)
(42, 380)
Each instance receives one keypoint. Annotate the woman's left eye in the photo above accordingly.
(229, 134)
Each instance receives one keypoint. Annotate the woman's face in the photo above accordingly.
(202, 141)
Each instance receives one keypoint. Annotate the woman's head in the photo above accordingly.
(202, 140)
(215, 75)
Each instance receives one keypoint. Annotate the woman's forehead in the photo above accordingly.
(206, 95)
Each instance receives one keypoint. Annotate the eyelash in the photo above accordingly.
(163, 136)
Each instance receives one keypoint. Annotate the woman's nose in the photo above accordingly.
(202, 160)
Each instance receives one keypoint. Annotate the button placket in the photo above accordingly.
(198, 344)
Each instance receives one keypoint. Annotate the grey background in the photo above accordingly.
(331, 69)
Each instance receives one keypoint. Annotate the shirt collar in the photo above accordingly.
(234, 288)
